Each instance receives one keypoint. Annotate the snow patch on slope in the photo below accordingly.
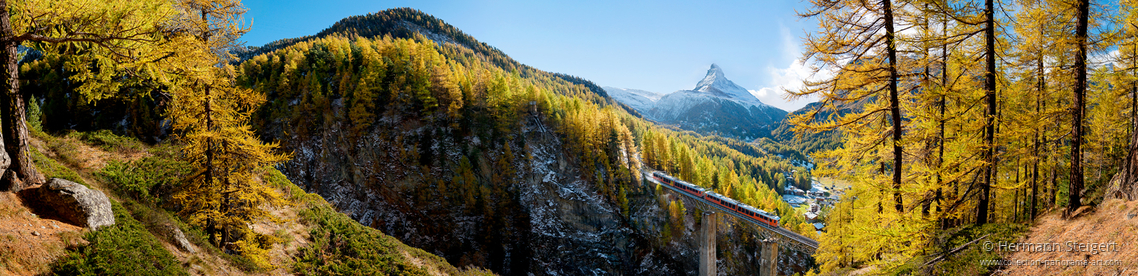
(640, 100)
(673, 105)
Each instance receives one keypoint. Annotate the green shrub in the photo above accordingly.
(65, 151)
(141, 178)
(35, 115)
(969, 260)
(125, 248)
(108, 141)
(341, 246)
(50, 168)
(274, 178)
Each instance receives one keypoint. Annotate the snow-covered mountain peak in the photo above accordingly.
(718, 72)
(714, 74)
(716, 83)
(716, 106)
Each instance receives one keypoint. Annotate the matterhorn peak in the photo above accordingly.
(714, 73)
(716, 83)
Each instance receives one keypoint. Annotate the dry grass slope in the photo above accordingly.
(28, 242)
(1112, 221)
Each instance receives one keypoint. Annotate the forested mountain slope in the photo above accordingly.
(808, 142)
(407, 23)
(516, 170)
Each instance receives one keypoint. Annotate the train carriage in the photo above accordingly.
(722, 201)
(684, 186)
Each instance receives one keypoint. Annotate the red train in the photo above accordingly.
(722, 201)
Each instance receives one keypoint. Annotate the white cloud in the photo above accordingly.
(1105, 59)
(789, 77)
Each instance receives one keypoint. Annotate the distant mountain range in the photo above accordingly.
(810, 142)
(716, 106)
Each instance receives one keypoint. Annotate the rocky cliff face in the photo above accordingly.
(543, 219)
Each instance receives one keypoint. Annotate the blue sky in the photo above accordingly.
(659, 46)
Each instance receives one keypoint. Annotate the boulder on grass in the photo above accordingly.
(175, 235)
(77, 204)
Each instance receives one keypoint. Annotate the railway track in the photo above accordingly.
(781, 235)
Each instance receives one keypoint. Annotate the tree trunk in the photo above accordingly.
(1054, 186)
(1040, 88)
(1130, 169)
(1125, 189)
(925, 83)
(894, 107)
(1075, 187)
(22, 172)
(880, 189)
(1034, 189)
(940, 120)
(990, 126)
(10, 82)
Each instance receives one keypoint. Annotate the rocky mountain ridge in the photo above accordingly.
(715, 106)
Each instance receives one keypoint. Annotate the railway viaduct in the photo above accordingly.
(772, 237)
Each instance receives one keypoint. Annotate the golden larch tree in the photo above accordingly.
(857, 40)
(114, 38)
(212, 115)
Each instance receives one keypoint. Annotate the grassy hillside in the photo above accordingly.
(312, 238)
(1113, 221)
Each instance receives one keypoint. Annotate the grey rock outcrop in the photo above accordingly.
(5, 162)
(77, 204)
(175, 235)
